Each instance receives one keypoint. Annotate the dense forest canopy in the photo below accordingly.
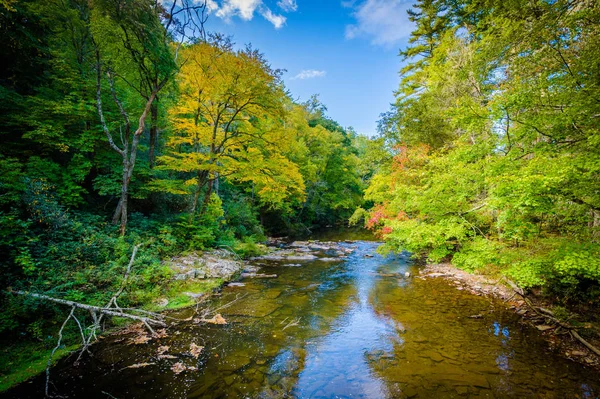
(125, 122)
(494, 142)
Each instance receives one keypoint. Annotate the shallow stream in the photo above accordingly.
(352, 328)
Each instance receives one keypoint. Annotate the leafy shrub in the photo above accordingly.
(248, 248)
(476, 254)
(201, 231)
(528, 273)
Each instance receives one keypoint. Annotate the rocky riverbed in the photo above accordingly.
(533, 310)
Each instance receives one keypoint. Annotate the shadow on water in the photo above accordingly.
(348, 329)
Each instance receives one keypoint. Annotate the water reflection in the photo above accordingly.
(339, 364)
(351, 329)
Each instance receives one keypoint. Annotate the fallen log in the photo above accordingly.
(96, 309)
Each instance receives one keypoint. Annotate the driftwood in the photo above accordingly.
(118, 312)
(549, 315)
(88, 335)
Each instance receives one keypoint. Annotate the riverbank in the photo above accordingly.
(558, 327)
(196, 276)
(22, 361)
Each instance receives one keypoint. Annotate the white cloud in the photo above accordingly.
(277, 20)
(288, 5)
(309, 74)
(241, 8)
(245, 9)
(212, 5)
(385, 22)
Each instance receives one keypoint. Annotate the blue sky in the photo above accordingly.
(345, 51)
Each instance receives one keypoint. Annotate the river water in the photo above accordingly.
(346, 329)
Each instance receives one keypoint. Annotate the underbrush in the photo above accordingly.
(79, 256)
(568, 271)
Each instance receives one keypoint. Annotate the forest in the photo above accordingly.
(129, 124)
(489, 156)
(126, 123)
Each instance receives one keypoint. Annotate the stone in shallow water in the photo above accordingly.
(436, 357)
(297, 244)
(409, 392)
(300, 257)
(229, 379)
(261, 309)
(234, 363)
(215, 264)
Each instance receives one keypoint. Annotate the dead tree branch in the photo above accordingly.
(549, 315)
(97, 309)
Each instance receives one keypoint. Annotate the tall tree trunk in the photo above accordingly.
(121, 210)
(201, 176)
(153, 132)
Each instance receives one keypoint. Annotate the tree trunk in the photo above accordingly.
(209, 189)
(153, 132)
(121, 211)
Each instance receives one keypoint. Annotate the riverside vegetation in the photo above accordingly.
(126, 123)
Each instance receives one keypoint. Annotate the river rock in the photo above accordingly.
(234, 363)
(211, 264)
(301, 257)
(257, 275)
(319, 247)
(436, 357)
(409, 392)
(297, 244)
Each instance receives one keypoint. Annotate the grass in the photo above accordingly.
(177, 293)
(22, 361)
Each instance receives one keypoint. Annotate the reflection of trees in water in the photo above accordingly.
(442, 349)
(445, 351)
(274, 348)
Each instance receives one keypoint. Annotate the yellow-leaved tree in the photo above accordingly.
(228, 124)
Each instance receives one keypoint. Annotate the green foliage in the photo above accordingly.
(248, 248)
(577, 263)
(201, 231)
(476, 254)
(492, 144)
(267, 164)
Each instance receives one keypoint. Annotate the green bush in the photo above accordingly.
(476, 254)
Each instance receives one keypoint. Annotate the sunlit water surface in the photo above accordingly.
(336, 330)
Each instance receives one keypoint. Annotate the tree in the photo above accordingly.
(228, 124)
(150, 62)
(494, 140)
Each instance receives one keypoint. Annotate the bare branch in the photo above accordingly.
(99, 106)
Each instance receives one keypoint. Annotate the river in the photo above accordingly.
(355, 328)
